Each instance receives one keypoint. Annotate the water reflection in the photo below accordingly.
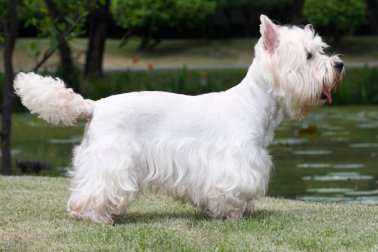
(333, 156)
(290, 141)
(71, 140)
(336, 166)
(356, 193)
(367, 200)
(348, 166)
(312, 152)
(339, 176)
(315, 165)
(364, 145)
(330, 190)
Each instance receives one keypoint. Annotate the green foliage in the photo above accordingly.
(337, 17)
(3, 15)
(146, 17)
(191, 13)
(37, 15)
(65, 24)
(142, 13)
(360, 86)
(253, 3)
(3, 9)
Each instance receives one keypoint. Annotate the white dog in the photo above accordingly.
(209, 149)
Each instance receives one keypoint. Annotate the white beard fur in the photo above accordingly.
(209, 149)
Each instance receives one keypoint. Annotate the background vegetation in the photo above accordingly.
(147, 19)
(334, 17)
(359, 86)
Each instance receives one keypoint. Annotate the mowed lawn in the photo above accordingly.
(33, 217)
(178, 52)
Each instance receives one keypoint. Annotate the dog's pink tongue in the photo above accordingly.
(327, 93)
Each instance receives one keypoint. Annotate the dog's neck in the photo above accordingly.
(256, 92)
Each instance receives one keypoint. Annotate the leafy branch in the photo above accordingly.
(60, 39)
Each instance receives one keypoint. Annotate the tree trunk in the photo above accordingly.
(67, 66)
(98, 21)
(10, 30)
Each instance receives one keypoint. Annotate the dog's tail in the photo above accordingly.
(51, 100)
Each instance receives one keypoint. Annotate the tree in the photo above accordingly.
(60, 21)
(335, 17)
(146, 18)
(9, 25)
(9, 11)
(98, 20)
(68, 70)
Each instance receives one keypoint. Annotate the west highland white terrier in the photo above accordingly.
(210, 150)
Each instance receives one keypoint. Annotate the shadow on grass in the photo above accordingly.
(150, 217)
(194, 217)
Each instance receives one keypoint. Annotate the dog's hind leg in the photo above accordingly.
(102, 182)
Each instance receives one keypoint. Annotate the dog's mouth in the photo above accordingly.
(327, 91)
(326, 95)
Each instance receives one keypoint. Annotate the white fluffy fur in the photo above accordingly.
(209, 150)
(50, 99)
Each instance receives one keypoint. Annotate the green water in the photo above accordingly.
(330, 156)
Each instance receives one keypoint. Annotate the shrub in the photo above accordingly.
(335, 17)
(146, 18)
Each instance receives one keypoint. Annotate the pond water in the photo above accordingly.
(332, 155)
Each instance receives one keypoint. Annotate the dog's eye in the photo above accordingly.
(309, 56)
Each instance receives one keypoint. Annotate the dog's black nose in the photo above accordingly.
(339, 65)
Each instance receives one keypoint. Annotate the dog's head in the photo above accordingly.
(292, 58)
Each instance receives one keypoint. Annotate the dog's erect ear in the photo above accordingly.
(269, 33)
(309, 27)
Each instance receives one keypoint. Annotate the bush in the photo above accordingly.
(335, 17)
(146, 18)
(254, 3)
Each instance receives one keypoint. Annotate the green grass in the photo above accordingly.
(179, 52)
(33, 217)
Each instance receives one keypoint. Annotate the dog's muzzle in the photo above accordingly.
(327, 91)
(339, 66)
